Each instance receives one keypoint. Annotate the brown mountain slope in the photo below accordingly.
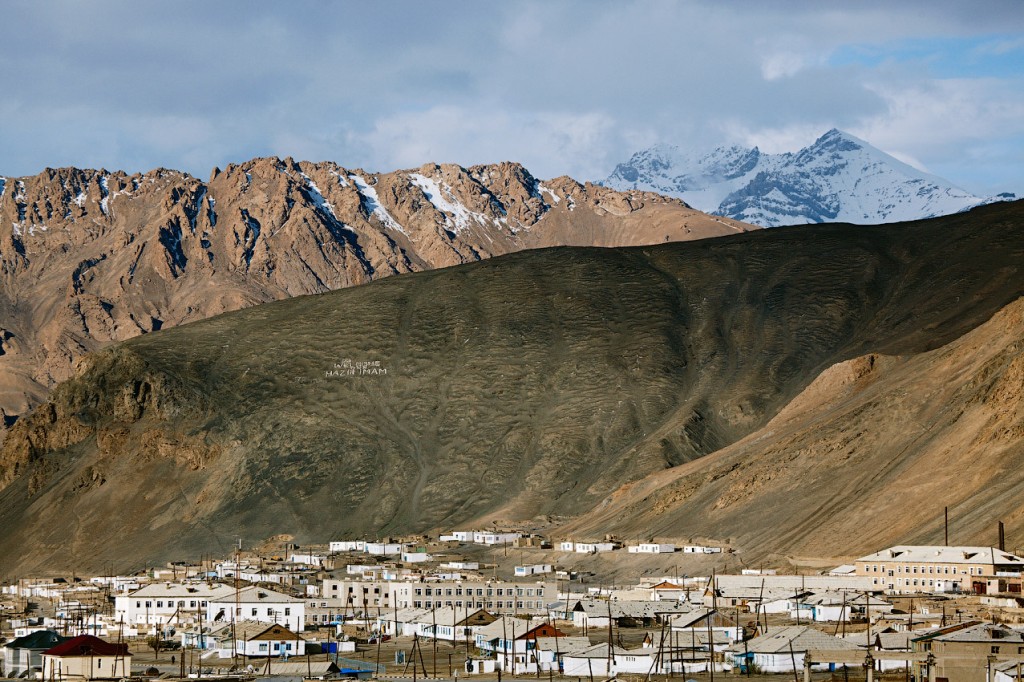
(532, 384)
(866, 457)
(91, 257)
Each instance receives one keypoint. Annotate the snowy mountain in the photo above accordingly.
(839, 178)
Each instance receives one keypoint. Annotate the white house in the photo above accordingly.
(167, 603)
(22, 655)
(831, 607)
(415, 557)
(383, 548)
(594, 547)
(257, 604)
(502, 638)
(782, 649)
(535, 569)
(461, 565)
(308, 558)
(486, 538)
(86, 658)
(600, 661)
(347, 546)
(701, 549)
(651, 548)
(258, 640)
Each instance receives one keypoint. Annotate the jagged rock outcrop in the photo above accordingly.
(92, 257)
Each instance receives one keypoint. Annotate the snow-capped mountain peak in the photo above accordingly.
(838, 178)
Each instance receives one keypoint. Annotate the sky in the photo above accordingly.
(563, 86)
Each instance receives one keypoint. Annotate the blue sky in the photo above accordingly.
(569, 87)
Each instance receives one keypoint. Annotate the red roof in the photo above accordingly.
(87, 645)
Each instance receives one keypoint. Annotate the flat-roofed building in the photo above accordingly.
(907, 569)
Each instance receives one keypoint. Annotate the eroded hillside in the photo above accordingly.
(92, 257)
(536, 383)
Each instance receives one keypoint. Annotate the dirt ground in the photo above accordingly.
(443, 662)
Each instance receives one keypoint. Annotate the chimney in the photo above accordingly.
(1002, 538)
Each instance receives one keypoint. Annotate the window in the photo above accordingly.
(254, 612)
(138, 604)
(995, 650)
(270, 612)
(192, 604)
(458, 591)
(159, 604)
(263, 646)
(287, 611)
(418, 592)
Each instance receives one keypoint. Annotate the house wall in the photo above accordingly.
(290, 614)
(968, 661)
(17, 661)
(271, 647)
(584, 667)
(85, 667)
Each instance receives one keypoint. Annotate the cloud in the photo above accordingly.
(570, 87)
(469, 136)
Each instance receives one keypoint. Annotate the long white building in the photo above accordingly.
(260, 605)
(167, 603)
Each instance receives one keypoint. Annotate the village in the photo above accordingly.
(461, 605)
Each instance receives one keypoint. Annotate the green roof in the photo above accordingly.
(40, 639)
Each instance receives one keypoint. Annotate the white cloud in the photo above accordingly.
(570, 87)
(450, 133)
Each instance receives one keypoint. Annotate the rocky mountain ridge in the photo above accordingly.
(90, 257)
(838, 178)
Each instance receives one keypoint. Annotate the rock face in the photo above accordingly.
(92, 257)
(537, 383)
(839, 178)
